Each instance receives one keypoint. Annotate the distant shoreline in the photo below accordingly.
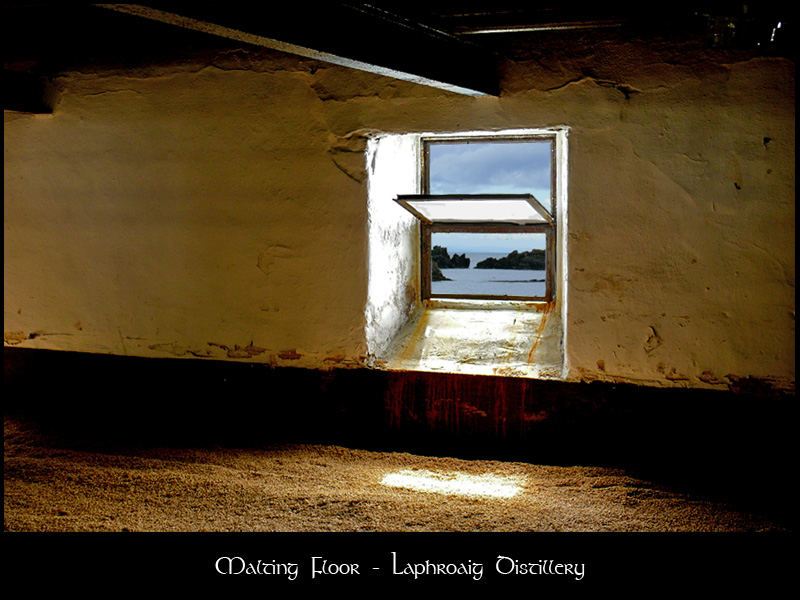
(529, 260)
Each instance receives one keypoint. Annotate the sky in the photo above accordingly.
(491, 167)
(499, 243)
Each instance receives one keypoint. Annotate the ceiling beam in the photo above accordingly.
(358, 36)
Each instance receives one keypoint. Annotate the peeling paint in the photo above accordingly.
(673, 375)
(347, 153)
(710, 378)
(267, 258)
(237, 351)
(653, 341)
(14, 337)
(176, 349)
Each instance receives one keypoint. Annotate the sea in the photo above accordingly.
(490, 282)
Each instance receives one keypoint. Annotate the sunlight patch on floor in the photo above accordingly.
(454, 483)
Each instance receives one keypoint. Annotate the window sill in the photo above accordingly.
(482, 304)
(481, 337)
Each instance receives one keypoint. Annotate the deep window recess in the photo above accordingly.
(487, 210)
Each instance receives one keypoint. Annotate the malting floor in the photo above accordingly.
(57, 486)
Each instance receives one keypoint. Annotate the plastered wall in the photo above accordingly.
(220, 209)
(393, 295)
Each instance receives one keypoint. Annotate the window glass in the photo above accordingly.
(499, 167)
(486, 209)
(492, 209)
(488, 264)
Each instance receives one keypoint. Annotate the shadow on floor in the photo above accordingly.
(734, 447)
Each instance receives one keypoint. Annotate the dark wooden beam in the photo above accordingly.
(354, 35)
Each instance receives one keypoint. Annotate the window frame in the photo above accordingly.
(550, 229)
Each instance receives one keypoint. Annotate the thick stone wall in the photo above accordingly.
(219, 209)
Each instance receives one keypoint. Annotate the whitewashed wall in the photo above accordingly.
(222, 211)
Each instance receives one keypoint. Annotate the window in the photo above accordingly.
(484, 181)
(487, 214)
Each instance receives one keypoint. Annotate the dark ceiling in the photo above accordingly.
(453, 45)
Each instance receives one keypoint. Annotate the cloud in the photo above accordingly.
(491, 167)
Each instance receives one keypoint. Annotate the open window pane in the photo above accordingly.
(509, 265)
(522, 209)
(491, 167)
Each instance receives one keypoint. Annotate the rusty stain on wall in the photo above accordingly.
(465, 405)
(411, 349)
(469, 406)
(546, 308)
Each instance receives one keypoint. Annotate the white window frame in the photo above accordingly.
(554, 229)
